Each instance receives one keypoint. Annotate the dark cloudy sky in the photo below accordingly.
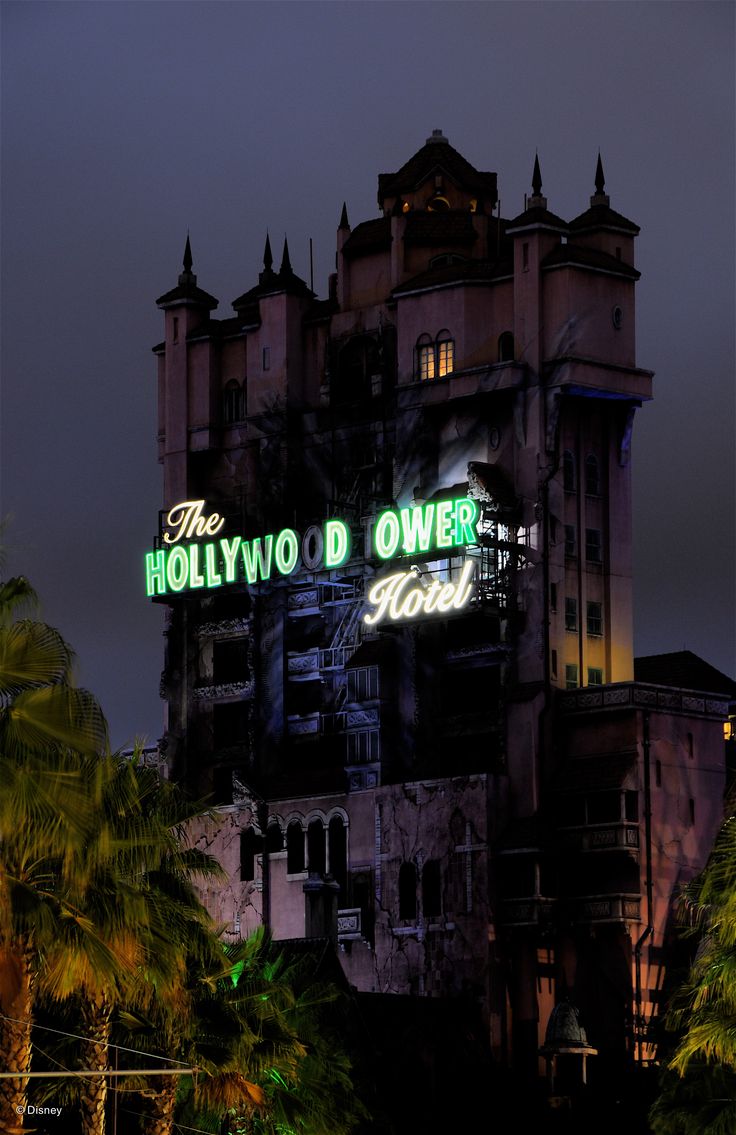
(126, 124)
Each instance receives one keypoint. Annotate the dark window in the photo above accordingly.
(363, 746)
(250, 846)
(554, 663)
(230, 724)
(363, 683)
(358, 362)
(690, 751)
(222, 785)
(604, 807)
(569, 540)
(595, 676)
(658, 773)
(568, 471)
(595, 619)
(571, 676)
(407, 892)
(632, 806)
(316, 848)
(266, 358)
(592, 476)
(593, 545)
(274, 838)
(294, 848)
(571, 614)
(692, 810)
(338, 852)
(233, 403)
(431, 889)
(525, 256)
(506, 347)
(553, 596)
(175, 332)
(230, 661)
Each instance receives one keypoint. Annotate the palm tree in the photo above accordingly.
(698, 1091)
(46, 724)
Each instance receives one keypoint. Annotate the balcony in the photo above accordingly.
(606, 908)
(619, 836)
(350, 924)
(532, 911)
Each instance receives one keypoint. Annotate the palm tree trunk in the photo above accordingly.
(15, 1038)
(95, 1056)
(160, 1106)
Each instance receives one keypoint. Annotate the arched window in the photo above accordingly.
(506, 347)
(407, 892)
(445, 349)
(316, 848)
(431, 889)
(568, 471)
(294, 848)
(592, 476)
(425, 358)
(337, 849)
(435, 358)
(233, 406)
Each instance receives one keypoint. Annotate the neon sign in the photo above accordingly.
(404, 595)
(190, 561)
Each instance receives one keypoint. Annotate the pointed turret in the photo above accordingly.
(267, 255)
(536, 178)
(286, 268)
(344, 222)
(186, 290)
(600, 197)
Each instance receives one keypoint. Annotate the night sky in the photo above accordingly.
(125, 125)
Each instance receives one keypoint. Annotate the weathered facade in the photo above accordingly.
(477, 800)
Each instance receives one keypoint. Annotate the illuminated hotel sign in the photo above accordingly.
(195, 555)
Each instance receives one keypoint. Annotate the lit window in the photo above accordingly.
(569, 540)
(568, 471)
(595, 619)
(593, 545)
(435, 358)
(595, 676)
(592, 476)
(571, 676)
(571, 614)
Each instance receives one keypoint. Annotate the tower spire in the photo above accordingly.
(286, 268)
(344, 222)
(267, 255)
(600, 197)
(187, 262)
(536, 178)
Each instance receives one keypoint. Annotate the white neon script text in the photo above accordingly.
(187, 520)
(403, 596)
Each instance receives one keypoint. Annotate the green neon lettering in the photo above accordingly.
(286, 551)
(214, 579)
(177, 568)
(196, 579)
(229, 554)
(386, 535)
(444, 524)
(416, 526)
(337, 543)
(466, 516)
(256, 561)
(155, 572)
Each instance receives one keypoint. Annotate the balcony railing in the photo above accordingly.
(350, 924)
(607, 908)
(618, 836)
(532, 911)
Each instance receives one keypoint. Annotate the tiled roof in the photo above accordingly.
(471, 271)
(588, 258)
(603, 217)
(435, 230)
(370, 236)
(216, 328)
(187, 292)
(537, 215)
(435, 157)
(685, 671)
